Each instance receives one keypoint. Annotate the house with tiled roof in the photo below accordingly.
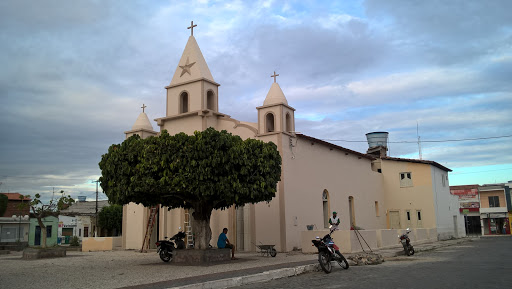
(417, 193)
(14, 220)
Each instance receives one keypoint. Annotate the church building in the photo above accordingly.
(317, 177)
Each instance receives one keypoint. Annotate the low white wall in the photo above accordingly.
(432, 235)
(388, 238)
(99, 243)
(117, 242)
(420, 234)
(376, 239)
(361, 240)
(341, 238)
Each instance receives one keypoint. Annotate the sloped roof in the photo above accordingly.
(15, 196)
(418, 161)
(275, 95)
(142, 122)
(84, 208)
(192, 65)
(334, 146)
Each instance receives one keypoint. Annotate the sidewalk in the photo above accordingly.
(262, 274)
(130, 269)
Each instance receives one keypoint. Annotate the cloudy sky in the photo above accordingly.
(75, 74)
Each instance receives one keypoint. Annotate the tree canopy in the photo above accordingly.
(111, 218)
(204, 171)
(42, 210)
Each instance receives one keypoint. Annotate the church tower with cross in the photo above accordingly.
(142, 126)
(192, 90)
(317, 177)
(275, 115)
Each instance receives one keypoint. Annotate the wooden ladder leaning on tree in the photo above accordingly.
(149, 229)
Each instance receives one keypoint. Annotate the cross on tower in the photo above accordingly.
(143, 107)
(192, 28)
(274, 76)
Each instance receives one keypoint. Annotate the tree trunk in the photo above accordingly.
(43, 232)
(201, 228)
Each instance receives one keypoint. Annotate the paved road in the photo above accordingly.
(485, 263)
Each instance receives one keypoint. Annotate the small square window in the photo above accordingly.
(405, 179)
(494, 202)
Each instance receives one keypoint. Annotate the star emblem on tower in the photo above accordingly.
(186, 67)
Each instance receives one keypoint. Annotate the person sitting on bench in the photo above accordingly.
(223, 242)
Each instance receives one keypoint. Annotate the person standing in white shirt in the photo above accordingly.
(334, 220)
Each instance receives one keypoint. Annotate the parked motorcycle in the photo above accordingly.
(406, 243)
(328, 251)
(166, 247)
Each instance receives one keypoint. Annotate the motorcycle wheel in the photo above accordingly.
(411, 251)
(273, 252)
(341, 260)
(325, 262)
(165, 255)
(406, 250)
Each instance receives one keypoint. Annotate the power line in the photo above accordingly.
(40, 178)
(433, 141)
(455, 173)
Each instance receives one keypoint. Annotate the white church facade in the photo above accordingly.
(317, 177)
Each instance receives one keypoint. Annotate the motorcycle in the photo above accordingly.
(406, 242)
(166, 247)
(328, 251)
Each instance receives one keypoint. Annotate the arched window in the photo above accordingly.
(288, 123)
(183, 102)
(325, 206)
(210, 100)
(269, 122)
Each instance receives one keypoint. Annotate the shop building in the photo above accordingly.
(493, 210)
(469, 207)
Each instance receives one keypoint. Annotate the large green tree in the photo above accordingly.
(203, 172)
(111, 218)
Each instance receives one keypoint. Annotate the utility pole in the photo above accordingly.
(419, 139)
(96, 229)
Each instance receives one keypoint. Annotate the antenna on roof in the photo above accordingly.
(419, 138)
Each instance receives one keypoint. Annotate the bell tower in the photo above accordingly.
(192, 88)
(275, 115)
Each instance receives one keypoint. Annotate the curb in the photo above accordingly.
(251, 279)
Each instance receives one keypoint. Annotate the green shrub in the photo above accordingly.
(74, 241)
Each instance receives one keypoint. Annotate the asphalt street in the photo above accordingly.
(484, 263)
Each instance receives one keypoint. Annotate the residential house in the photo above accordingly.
(35, 232)
(14, 222)
(79, 219)
(417, 194)
(493, 209)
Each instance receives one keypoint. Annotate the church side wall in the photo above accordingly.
(187, 125)
(268, 219)
(308, 169)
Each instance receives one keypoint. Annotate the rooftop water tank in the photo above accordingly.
(378, 138)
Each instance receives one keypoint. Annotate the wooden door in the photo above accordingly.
(394, 220)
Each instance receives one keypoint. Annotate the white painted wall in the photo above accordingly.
(446, 207)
